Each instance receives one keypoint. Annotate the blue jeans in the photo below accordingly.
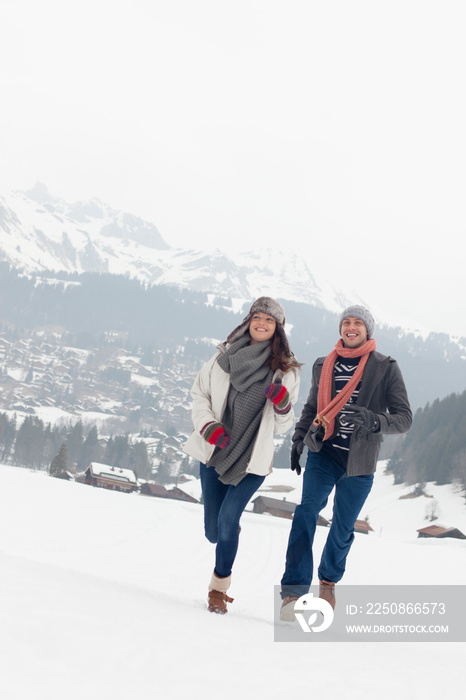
(322, 473)
(223, 507)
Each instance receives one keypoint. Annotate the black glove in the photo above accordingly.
(359, 415)
(296, 452)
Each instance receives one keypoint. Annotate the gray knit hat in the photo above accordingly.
(265, 305)
(363, 314)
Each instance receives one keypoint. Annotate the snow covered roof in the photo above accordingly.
(117, 473)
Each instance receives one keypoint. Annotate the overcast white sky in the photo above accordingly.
(332, 127)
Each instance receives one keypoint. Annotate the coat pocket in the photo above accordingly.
(373, 437)
(314, 438)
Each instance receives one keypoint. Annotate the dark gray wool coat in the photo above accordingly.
(382, 391)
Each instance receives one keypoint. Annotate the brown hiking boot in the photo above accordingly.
(327, 592)
(287, 609)
(217, 602)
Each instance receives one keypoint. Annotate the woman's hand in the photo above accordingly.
(214, 434)
(279, 396)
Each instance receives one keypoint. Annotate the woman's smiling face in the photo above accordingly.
(261, 327)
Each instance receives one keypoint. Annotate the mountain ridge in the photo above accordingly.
(92, 277)
(46, 234)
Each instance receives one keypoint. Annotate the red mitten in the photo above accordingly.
(214, 434)
(279, 396)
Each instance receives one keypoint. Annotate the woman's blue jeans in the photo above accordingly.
(321, 475)
(223, 507)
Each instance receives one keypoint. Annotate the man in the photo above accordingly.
(357, 395)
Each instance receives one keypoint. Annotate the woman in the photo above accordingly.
(241, 397)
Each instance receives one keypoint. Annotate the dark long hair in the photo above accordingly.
(280, 357)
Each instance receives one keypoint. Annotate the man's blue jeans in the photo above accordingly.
(322, 473)
(223, 507)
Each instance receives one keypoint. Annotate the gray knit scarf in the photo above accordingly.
(249, 377)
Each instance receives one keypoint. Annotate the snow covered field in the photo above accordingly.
(102, 596)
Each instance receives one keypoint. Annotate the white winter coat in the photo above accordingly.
(210, 394)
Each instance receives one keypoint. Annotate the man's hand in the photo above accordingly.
(296, 452)
(359, 415)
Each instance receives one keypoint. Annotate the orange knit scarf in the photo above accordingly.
(328, 408)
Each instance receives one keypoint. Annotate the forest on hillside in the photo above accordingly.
(35, 445)
(435, 447)
(170, 316)
(87, 305)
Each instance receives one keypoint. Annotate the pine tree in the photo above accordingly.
(91, 449)
(75, 442)
(164, 471)
(140, 462)
(190, 466)
(117, 452)
(29, 447)
(7, 435)
(59, 465)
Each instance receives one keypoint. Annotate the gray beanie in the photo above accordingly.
(265, 305)
(363, 314)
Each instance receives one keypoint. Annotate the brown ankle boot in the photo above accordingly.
(327, 592)
(218, 599)
(287, 609)
(217, 602)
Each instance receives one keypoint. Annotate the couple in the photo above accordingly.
(245, 394)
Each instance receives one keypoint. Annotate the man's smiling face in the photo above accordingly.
(353, 332)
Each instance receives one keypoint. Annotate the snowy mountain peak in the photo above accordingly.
(40, 233)
(39, 193)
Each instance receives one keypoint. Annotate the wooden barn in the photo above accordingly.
(113, 478)
(437, 531)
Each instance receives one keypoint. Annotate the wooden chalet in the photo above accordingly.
(363, 527)
(152, 489)
(67, 476)
(180, 495)
(113, 478)
(440, 532)
(279, 508)
(274, 506)
(159, 491)
(184, 478)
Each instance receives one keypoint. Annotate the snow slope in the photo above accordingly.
(102, 596)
